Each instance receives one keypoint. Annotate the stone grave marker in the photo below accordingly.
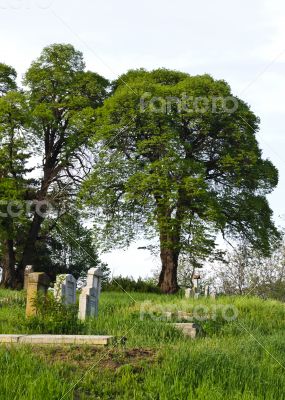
(28, 270)
(65, 289)
(94, 278)
(188, 329)
(89, 297)
(88, 303)
(37, 282)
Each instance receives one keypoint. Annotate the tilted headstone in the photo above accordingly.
(89, 297)
(28, 270)
(65, 289)
(37, 282)
(88, 303)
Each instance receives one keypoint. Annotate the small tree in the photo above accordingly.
(247, 271)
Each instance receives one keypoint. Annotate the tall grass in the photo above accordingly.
(238, 359)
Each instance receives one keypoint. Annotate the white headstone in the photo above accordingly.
(89, 297)
(65, 289)
(94, 278)
(88, 303)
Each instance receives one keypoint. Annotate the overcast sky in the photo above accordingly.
(242, 42)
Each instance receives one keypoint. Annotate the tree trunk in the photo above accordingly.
(168, 276)
(8, 270)
(29, 250)
(169, 236)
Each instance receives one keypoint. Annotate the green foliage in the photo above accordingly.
(235, 360)
(14, 155)
(52, 118)
(62, 97)
(68, 248)
(54, 317)
(26, 377)
(129, 284)
(244, 270)
(8, 77)
(178, 174)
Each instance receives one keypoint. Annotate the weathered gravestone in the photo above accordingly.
(188, 329)
(38, 282)
(94, 278)
(88, 303)
(89, 297)
(65, 289)
(28, 270)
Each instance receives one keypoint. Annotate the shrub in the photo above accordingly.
(129, 284)
(54, 317)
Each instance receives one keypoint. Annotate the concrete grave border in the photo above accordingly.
(92, 340)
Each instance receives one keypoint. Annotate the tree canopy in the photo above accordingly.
(179, 160)
(172, 156)
(47, 123)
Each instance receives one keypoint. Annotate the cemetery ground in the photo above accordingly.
(242, 358)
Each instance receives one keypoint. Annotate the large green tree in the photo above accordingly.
(60, 98)
(179, 160)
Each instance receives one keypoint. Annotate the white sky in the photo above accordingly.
(242, 42)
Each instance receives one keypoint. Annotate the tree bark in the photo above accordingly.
(168, 276)
(29, 250)
(169, 236)
(8, 265)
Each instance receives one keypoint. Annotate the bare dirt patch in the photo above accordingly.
(84, 357)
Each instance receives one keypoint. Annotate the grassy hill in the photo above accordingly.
(240, 355)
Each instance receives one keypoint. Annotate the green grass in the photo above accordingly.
(239, 359)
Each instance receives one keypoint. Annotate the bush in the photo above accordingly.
(54, 317)
(129, 284)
